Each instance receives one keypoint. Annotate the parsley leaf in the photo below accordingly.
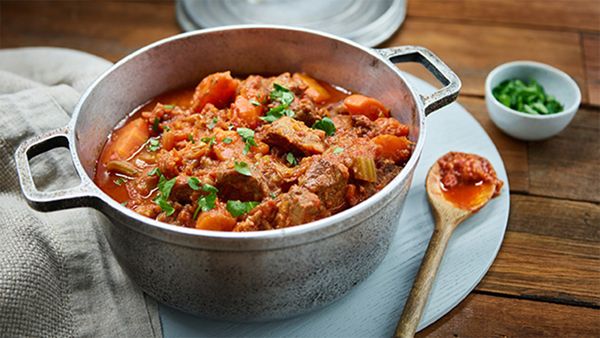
(207, 202)
(155, 125)
(191, 138)
(119, 181)
(291, 159)
(164, 190)
(209, 140)
(248, 137)
(326, 125)
(254, 102)
(242, 168)
(238, 208)
(338, 150)
(153, 144)
(227, 140)
(168, 106)
(194, 183)
(281, 94)
(154, 171)
(213, 123)
(285, 97)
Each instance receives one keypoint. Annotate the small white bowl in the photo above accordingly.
(526, 126)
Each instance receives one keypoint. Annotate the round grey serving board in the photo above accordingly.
(373, 308)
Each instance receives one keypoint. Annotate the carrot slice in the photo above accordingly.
(246, 112)
(129, 138)
(315, 91)
(215, 219)
(395, 148)
(363, 105)
(218, 89)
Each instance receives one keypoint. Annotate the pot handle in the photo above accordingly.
(79, 196)
(437, 67)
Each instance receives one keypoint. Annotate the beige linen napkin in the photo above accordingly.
(58, 277)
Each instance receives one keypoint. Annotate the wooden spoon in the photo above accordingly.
(448, 216)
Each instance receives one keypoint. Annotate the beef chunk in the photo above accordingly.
(234, 186)
(290, 135)
(298, 206)
(306, 111)
(327, 177)
(181, 191)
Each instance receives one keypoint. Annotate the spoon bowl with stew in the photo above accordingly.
(458, 185)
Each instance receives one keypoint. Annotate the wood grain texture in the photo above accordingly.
(473, 50)
(107, 29)
(557, 14)
(591, 51)
(546, 268)
(566, 166)
(488, 316)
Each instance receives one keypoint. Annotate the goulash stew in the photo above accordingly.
(252, 154)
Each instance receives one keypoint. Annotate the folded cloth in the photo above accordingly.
(58, 276)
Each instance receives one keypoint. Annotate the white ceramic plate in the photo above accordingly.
(373, 308)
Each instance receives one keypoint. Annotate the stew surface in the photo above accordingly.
(252, 154)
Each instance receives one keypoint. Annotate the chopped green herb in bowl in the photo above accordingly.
(526, 97)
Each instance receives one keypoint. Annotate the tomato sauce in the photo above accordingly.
(467, 180)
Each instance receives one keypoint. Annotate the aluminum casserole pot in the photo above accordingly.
(253, 276)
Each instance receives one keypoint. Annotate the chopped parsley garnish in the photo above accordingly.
(242, 168)
(248, 137)
(207, 202)
(164, 190)
(273, 195)
(291, 159)
(194, 183)
(526, 97)
(285, 97)
(166, 128)
(254, 102)
(209, 140)
(155, 125)
(153, 144)
(168, 106)
(154, 171)
(338, 150)
(119, 181)
(227, 140)
(213, 123)
(326, 125)
(238, 208)
(191, 138)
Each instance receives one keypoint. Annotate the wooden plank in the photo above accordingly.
(552, 217)
(558, 14)
(473, 50)
(546, 267)
(488, 316)
(591, 50)
(513, 151)
(566, 166)
(107, 29)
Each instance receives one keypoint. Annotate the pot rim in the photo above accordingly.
(373, 203)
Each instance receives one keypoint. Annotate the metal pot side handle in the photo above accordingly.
(437, 67)
(79, 196)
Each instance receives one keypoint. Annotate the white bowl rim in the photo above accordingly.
(533, 64)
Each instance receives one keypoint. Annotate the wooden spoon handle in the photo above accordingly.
(415, 304)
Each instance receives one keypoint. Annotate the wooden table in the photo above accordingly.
(546, 278)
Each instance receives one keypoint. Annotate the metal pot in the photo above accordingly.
(251, 276)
